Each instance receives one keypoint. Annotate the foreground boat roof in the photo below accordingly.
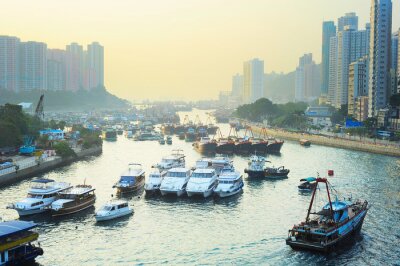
(12, 227)
(43, 180)
(77, 190)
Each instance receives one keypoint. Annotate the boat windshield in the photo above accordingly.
(106, 208)
(126, 179)
(226, 181)
(35, 196)
(176, 174)
(155, 176)
(202, 175)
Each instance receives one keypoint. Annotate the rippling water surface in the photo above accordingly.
(248, 229)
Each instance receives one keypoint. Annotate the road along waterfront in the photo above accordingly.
(248, 229)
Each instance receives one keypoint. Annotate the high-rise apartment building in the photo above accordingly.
(380, 55)
(237, 85)
(349, 19)
(333, 58)
(358, 82)
(9, 63)
(94, 66)
(328, 31)
(253, 80)
(56, 69)
(33, 66)
(308, 79)
(74, 66)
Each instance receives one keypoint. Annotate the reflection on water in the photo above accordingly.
(249, 228)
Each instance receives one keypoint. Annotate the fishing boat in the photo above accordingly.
(259, 145)
(109, 134)
(308, 184)
(112, 210)
(73, 200)
(305, 142)
(132, 180)
(153, 183)
(167, 129)
(330, 227)
(256, 166)
(168, 140)
(179, 129)
(161, 141)
(202, 182)
(230, 182)
(211, 128)
(175, 182)
(17, 243)
(225, 146)
(190, 135)
(42, 193)
(274, 146)
(146, 135)
(175, 160)
(276, 172)
(205, 145)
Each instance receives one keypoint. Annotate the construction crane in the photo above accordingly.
(39, 108)
(29, 148)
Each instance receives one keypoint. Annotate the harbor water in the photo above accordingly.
(249, 228)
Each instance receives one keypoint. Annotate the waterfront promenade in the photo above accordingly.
(352, 144)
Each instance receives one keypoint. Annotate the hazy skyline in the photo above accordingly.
(170, 49)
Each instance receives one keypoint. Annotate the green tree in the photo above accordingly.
(64, 150)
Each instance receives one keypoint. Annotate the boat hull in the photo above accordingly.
(225, 194)
(227, 148)
(178, 193)
(254, 174)
(206, 148)
(259, 148)
(204, 194)
(131, 189)
(356, 225)
(275, 147)
(74, 209)
(113, 216)
(243, 148)
(22, 213)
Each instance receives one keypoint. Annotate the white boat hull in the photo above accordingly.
(224, 194)
(205, 194)
(113, 216)
(22, 212)
(178, 193)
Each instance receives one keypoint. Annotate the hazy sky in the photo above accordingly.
(181, 49)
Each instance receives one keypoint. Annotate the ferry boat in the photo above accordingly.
(308, 184)
(109, 134)
(42, 193)
(132, 180)
(16, 243)
(112, 210)
(175, 181)
(256, 166)
(230, 182)
(305, 142)
(220, 163)
(73, 200)
(175, 160)
(337, 222)
(276, 172)
(153, 183)
(205, 145)
(202, 182)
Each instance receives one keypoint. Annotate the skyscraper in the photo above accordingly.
(333, 57)
(308, 80)
(56, 69)
(380, 55)
(74, 67)
(328, 31)
(33, 65)
(237, 85)
(349, 19)
(253, 80)
(358, 82)
(94, 65)
(9, 63)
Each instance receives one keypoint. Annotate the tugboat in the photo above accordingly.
(256, 166)
(305, 142)
(308, 184)
(334, 224)
(73, 200)
(205, 145)
(16, 238)
(132, 180)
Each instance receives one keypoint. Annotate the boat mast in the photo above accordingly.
(329, 197)
(312, 201)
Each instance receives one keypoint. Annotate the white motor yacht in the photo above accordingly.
(229, 183)
(175, 160)
(153, 182)
(175, 181)
(202, 182)
(42, 193)
(112, 210)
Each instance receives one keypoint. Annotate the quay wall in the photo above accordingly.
(390, 150)
(46, 166)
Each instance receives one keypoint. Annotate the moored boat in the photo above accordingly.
(16, 243)
(73, 200)
(256, 166)
(230, 183)
(202, 182)
(175, 182)
(225, 146)
(132, 180)
(327, 229)
(242, 146)
(175, 160)
(258, 146)
(41, 194)
(305, 142)
(112, 210)
(167, 129)
(205, 145)
(190, 135)
(308, 184)
(153, 182)
(168, 140)
(274, 146)
(109, 134)
(276, 172)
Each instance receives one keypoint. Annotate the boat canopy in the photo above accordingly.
(43, 180)
(12, 227)
(309, 179)
(336, 205)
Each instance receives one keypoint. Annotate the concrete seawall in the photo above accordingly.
(335, 142)
(46, 166)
